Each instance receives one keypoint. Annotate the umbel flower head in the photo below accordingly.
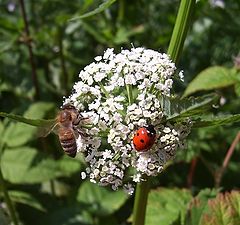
(119, 94)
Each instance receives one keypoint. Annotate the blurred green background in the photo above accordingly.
(43, 183)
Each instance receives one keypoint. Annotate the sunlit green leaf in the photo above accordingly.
(211, 78)
(26, 198)
(38, 110)
(100, 8)
(101, 200)
(237, 88)
(27, 165)
(167, 206)
(17, 134)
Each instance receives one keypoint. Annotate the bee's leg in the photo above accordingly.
(79, 119)
(80, 132)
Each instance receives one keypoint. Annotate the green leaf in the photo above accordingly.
(199, 205)
(182, 108)
(26, 198)
(38, 110)
(100, 8)
(216, 121)
(17, 134)
(211, 78)
(167, 206)
(237, 89)
(100, 200)
(25, 165)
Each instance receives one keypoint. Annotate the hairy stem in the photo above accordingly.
(180, 29)
(8, 200)
(175, 48)
(140, 203)
(28, 42)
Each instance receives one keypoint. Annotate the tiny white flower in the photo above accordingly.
(98, 58)
(83, 175)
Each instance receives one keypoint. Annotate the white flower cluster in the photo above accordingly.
(120, 93)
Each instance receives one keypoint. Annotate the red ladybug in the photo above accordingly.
(144, 138)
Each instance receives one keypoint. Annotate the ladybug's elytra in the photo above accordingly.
(144, 138)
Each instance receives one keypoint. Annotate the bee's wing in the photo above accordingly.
(46, 129)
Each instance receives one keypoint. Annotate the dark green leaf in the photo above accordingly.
(100, 8)
(25, 198)
(67, 215)
(167, 206)
(216, 121)
(211, 78)
(182, 108)
(101, 201)
(4, 220)
(27, 165)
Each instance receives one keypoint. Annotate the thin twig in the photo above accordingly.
(62, 59)
(28, 42)
(191, 172)
(220, 172)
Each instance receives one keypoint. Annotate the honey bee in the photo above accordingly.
(67, 127)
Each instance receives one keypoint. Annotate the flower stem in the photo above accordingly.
(129, 93)
(103, 89)
(140, 203)
(8, 200)
(175, 48)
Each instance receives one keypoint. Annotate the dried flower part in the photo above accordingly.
(120, 93)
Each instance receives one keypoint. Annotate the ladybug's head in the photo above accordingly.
(151, 129)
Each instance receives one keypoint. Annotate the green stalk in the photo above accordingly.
(175, 48)
(180, 29)
(8, 200)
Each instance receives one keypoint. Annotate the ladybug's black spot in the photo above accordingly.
(141, 140)
(137, 133)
